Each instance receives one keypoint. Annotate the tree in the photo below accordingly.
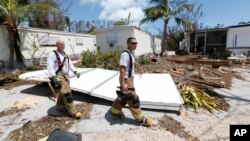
(243, 22)
(162, 10)
(192, 16)
(123, 21)
(92, 30)
(12, 13)
(68, 23)
(117, 23)
(51, 19)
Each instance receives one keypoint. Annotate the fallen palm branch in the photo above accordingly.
(197, 98)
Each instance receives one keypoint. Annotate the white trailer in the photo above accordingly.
(238, 39)
(37, 43)
(114, 38)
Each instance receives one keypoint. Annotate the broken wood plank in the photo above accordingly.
(211, 70)
(213, 62)
(216, 85)
(177, 72)
(209, 83)
(52, 90)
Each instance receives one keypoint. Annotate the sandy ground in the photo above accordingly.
(100, 126)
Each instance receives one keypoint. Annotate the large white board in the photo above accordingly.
(156, 91)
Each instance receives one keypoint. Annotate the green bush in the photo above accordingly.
(108, 60)
(221, 53)
(89, 59)
(227, 53)
(143, 61)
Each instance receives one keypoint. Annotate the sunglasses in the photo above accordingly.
(134, 43)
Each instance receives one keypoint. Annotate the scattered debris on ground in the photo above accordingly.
(175, 127)
(197, 98)
(9, 80)
(12, 111)
(36, 130)
(210, 74)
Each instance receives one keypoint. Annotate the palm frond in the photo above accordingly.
(188, 7)
(152, 14)
(4, 3)
(32, 8)
(3, 11)
(184, 23)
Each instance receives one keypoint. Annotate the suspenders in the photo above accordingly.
(59, 62)
(130, 64)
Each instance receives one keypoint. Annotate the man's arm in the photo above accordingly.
(51, 64)
(73, 69)
(122, 78)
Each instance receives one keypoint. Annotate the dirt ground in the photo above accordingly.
(34, 130)
(9, 80)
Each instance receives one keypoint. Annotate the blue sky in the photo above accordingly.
(227, 12)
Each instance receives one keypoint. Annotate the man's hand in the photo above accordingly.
(125, 88)
(56, 83)
(77, 74)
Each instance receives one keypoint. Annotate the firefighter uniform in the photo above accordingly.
(131, 98)
(59, 65)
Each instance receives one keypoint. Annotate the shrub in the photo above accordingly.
(89, 59)
(143, 60)
(108, 60)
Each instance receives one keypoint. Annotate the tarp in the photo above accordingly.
(156, 91)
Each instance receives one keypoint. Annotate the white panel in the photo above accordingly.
(91, 80)
(35, 75)
(42, 75)
(108, 90)
(156, 91)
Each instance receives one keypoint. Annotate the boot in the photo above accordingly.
(61, 109)
(77, 115)
(60, 104)
(147, 122)
(118, 116)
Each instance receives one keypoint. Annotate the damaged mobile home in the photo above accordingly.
(37, 43)
(233, 38)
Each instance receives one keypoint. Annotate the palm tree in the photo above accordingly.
(163, 10)
(12, 12)
(68, 23)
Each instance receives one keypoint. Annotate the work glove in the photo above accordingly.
(56, 82)
(77, 74)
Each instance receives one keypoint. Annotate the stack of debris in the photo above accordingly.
(213, 73)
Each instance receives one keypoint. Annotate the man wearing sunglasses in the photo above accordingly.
(126, 94)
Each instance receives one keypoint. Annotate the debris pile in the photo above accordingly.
(197, 98)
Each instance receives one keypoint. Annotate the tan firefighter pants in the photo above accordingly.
(63, 96)
(116, 109)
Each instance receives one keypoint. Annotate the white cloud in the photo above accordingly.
(88, 1)
(116, 10)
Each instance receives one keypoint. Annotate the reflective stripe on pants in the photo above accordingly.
(117, 105)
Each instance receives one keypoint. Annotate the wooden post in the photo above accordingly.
(52, 90)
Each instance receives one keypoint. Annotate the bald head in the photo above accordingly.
(60, 45)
